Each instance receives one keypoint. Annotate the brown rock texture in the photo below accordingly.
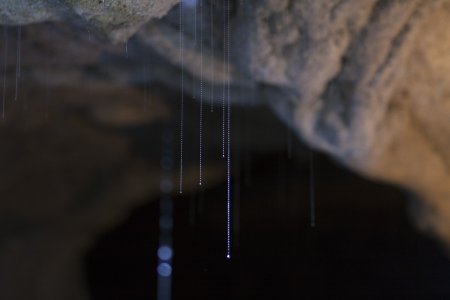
(116, 20)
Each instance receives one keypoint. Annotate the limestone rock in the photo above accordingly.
(116, 19)
(366, 81)
(363, 80)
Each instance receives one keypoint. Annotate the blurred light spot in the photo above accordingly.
(165, 252)
(166, 185)
(165, 223)
(164, 269)
(166, 204)
(166, 163)
(190, 3)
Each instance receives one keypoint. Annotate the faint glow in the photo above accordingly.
(165, 223)
(166, 185)
(164, 270)
(166, 204)
(190, 3)
(167, 163)
(165, 252)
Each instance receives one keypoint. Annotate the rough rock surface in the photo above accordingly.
(116, 19)
(366, 81)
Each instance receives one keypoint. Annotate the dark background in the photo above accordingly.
(363, 246)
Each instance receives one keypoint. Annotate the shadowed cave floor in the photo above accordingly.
(363, 245)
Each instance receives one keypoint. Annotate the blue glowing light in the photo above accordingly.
(165, 223)
(166, 185)
(165, 253)
(190, 3)
(164, 269)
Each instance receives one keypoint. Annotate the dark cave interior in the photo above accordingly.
(364, 244)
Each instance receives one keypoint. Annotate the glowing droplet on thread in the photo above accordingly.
(228, 140)
(182, 97)
(194, 86)
(201, 101)
(224, 81)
